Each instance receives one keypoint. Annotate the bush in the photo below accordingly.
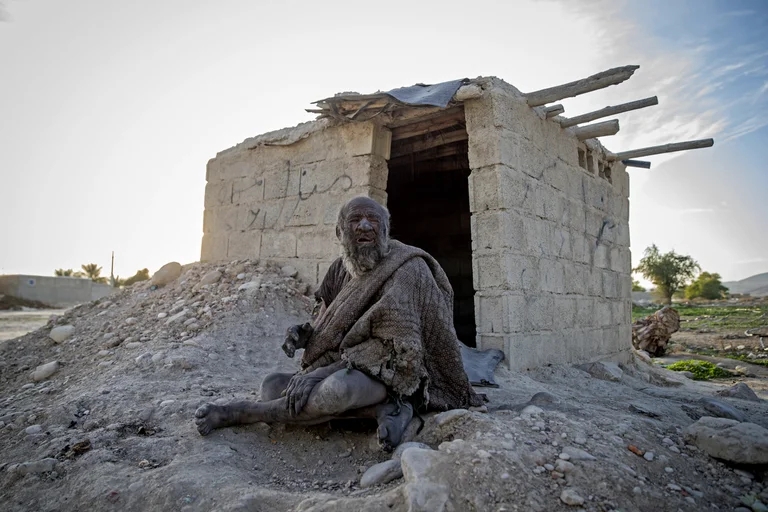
(701, 370)
(706, 286)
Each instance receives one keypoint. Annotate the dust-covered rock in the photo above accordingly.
(730, 440)
(62, 333)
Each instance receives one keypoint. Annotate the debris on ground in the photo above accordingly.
(652, 333)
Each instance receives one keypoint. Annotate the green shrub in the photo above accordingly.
(701, 370)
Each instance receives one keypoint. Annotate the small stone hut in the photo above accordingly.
(524, 209)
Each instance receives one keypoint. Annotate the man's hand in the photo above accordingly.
(299, 389)
(296, 337)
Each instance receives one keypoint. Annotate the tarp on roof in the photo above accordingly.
(437, 95)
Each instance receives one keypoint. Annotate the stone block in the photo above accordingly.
(603, 312)
(214, 246)
(317, 244)
(539, 235)
(561, 244)
(270, 214)
(277, 244)
(281, 181)
(220, 219)
(230, 167)
(341, 175)
(602, 256)
(555, 176)
(595, 282)
(539, 311)
(486, 341)
(617, 311)
(218, 193)
(585, 311)
(244, 244)
(503, 270)
(625, 285)
(552, 274)
(566, 146)
(575, 278)
(306, 210)
(523, 351)
(247, 191)
(489, 313)
(550, 204)
(622, 233)
(494, 230)
(565, 312)
(610, 284)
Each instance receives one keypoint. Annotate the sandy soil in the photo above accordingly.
(18, 323)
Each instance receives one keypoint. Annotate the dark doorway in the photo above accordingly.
(428, 197)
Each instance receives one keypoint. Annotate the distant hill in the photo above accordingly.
(757, 285)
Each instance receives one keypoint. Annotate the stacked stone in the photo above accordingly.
(550, 237)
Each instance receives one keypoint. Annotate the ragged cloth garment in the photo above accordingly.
(395, 323)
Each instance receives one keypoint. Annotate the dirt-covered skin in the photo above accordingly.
(144, 452)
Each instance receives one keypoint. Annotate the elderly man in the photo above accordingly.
(382, 344)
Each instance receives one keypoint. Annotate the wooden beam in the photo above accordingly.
(637, 163)
(431, 125)
(592, 83)
(609, 111)
(459, 148)
(417, 113)
(665, 148)
(554, 110)
(603, 129)
(438, 139)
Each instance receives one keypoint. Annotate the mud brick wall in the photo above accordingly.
(551, 260)
(279, 203)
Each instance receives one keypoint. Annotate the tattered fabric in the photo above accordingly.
(395, 323)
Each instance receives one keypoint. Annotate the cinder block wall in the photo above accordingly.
(54, 291)
(279, 202)
(551, 258)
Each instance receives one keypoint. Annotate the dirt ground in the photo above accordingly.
(113, 428)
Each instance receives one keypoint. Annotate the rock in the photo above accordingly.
(144, 356)
(131, 320)
(39, 466)
(648, 456)
(400, 449)
(167, 273)
(160, 316)
(571, 497)
(176, 318)
(250, 287)
(741, 391)
(62, 333)
(564, 456)
(563, 466)
(167, 402)
(721, 410)
(603, 370)
(211, 277)
(382, 473)
(577, 453)
(33, 429)
(730, 440)
(133, 345)
(289, 271)
(241, 276)
(44, 371)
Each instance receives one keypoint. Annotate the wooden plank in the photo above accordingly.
(609, 111)
(591, 83)
(554, 110)
(416, 113)
(637, 163)
(459, 148)
(431, 125)
(665, 148)
(438, 139)
(592, 131)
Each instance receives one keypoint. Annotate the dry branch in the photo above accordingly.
(666, 148)
(637, 163)
(609, 111)
(599, 81)
(597, 130)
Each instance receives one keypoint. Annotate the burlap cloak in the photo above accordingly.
(395, 323)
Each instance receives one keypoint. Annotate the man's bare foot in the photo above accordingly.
(210, 416)
(392, 424)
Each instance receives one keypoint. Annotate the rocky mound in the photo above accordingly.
(107, 424)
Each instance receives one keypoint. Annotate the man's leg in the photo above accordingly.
(343, 391)
(273, 385)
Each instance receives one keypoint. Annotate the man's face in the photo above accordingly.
(363, 232)
(364, 224)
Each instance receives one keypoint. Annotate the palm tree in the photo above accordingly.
(60, 272)
(93, 272)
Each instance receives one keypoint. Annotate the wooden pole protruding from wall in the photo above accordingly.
(665, 148)
(609, 111)
(592, 83)
(592, 131)
(554, 110)
(637, 163)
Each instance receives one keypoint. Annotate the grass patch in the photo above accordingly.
(713, 317)
(701, 370)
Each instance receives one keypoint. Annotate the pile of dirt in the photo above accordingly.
(112, 427)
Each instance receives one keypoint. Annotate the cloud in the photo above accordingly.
(751, 261)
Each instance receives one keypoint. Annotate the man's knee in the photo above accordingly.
(273, 385)
(346, 390)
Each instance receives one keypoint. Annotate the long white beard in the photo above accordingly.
(359, 260)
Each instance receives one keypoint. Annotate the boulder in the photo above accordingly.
(603, 370)
(62, 333)
(44, 371)
(721, 410)
(167, 274)
(400, 449)
(730, 440)
(211, 277)
(741, 391)
(382, 473)
(289, 271)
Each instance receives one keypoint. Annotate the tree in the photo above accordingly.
(669, 272)
(140, 275)
(706, 286)
(60, 272)
(93, 272)
(636, 286)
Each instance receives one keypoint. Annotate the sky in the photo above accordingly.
(110, 110)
